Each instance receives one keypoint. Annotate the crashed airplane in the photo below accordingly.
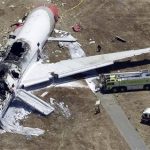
(20, 66)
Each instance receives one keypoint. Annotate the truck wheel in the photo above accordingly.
(114, 90)
(123, 89)
(147, 87)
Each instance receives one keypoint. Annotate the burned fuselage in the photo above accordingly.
(10, 68)
(3, 85)
(24, 45)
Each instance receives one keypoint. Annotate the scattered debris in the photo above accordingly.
(63, 4)
(44, 94)
(92, 42)
(120, 39)
(75, 49)
(63, 39)
(20, 21)
(76, 28)
(48, 61)
(58, 51)
(18, 24)
(61, 108)
(11, 6)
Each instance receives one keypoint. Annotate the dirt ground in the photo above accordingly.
(101, 21)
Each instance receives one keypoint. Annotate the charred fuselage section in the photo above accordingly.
(4, 89)
(17, 51)
(10, 67)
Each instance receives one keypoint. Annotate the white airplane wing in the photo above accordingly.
(40, 72)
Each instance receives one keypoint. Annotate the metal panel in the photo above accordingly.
(34, 102)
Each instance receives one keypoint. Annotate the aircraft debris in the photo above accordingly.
(58, 51)
(35, 102)
(92, 42)
(11, 6)
(74, 47)
(61, 108)
(44, 94)
(120, 39)
(76, 28)
(63, 4)
(63, 39)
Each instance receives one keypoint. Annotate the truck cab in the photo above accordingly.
(146, 116)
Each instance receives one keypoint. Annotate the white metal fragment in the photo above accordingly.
(44, 94)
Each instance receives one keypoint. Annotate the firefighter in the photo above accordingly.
(97, 107)
(99, 48)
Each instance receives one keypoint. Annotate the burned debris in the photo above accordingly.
(3, 85)
(3, 90)
(3, 70)
(15, 74)
(8, 74)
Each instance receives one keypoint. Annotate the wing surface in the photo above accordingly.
(40, 72)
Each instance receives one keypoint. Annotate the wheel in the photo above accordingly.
(123, 89)
(114, 90)
(147, 87)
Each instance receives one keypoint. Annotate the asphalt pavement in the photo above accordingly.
(121, 121)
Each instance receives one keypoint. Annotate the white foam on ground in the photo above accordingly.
(73, 84)
(11, 120)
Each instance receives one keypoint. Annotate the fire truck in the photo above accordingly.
(121, 82)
